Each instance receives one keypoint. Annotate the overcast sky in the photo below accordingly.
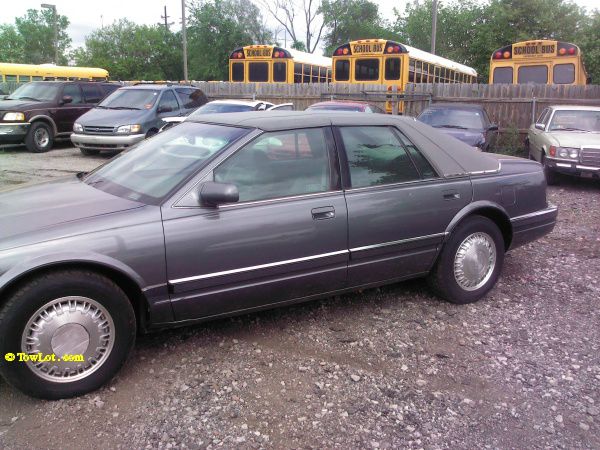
(87, 15)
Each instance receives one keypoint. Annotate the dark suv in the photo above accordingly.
(39, 112)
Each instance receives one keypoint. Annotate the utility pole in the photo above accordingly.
(184, 38)
(166, 18)
(55, 16)
(433, 25)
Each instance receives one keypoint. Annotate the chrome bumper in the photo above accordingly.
(572, 168)
(109, 142)
(13, 132)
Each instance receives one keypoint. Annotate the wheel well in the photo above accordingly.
(47, 122)
(129, 287)
(500, 219)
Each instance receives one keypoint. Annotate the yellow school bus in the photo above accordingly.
(271, 64)
(540, 61)
(31, 72)
(378, 61)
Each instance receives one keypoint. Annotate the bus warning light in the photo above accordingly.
(506, 54)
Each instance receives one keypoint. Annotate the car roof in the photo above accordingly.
(149, 86)
(574, 108)
(455, 106)
(341, 102)
(452, 157)
(239, 102)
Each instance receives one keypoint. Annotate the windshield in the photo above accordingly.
(130, 99)
(452, 118)
(42, 92)
(335, 108)
(211, 108)
(575, 121)
(150, 171)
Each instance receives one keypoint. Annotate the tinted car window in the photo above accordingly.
(503, 75)
(427, 171)
(154, 168)
(237, 71)
(376, 157)
(563, 73)
(74, 92)
(92, 93)
(258, 72)
(392, 69)
(532, 74)
(108, 88)
(168, 101)
(342, 70)
(191, 98)
(366, 69)
(452, 118)
(221, 108)
(279, 164)
(131, 98)
(37, 90)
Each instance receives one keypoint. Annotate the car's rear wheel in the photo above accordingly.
(470, 262)
(81, 323)
(88, 151)
(39, 138)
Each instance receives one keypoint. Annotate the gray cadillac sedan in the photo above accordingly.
(231, 213)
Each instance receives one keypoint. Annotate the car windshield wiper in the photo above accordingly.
(122, 107)
(569, 129)
(451, 126)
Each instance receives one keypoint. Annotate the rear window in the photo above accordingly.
(503, 75)
(563, 73)
(392, 69)
(237, 71)
(366, 69)
(280, 72)
(532, 74)
(342, 70)
(258, 72)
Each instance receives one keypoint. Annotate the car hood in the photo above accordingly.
(470, 137)
(33, 208)
(112, 117)
(575, 139)
(20, 105)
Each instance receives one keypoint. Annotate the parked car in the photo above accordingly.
(345, 105)
(181, 229)
(40, 112)
(566, 140)
(468, 123)
(228, 106)
(131, 114)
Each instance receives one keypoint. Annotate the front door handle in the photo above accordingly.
(451, 195)
(325, 212)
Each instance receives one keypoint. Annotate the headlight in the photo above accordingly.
(129, 129)
(567, 152)
(77, 128)
(14, 116)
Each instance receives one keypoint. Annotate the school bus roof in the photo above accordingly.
(50, 69)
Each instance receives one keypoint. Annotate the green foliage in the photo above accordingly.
(589, 43)
(133, 52)
(31, 40)
(510, 142)
(299, 45)
(348, 20)
(216, 28)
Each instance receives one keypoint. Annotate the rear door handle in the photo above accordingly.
(451, 195)
(325, 212)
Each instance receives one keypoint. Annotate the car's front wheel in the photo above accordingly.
(551, 175)
(65, 334)
(40, 137)
(470, 262)
(88, 151)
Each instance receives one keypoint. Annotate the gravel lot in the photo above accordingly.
(384, 368)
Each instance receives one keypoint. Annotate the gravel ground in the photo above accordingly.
(384, 368)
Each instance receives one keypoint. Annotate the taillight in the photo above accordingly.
(552, 150)
(498, 55)
(506, 54)
(566, 49)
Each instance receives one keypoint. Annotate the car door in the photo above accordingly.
(67, 113)
(398, 207)
(286, 238)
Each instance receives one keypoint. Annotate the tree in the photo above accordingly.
(589, 42)
(133, 52)
(348, 20)
(36, 29)
(286, 13)
(216, 28)
(11, 50)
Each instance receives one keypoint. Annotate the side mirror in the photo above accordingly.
(215, 194)
(262, 107)
(66, 99)
(540, 126)
(162, 109)
(493, 127)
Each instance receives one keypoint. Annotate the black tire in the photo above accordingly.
(442, 278)
(26, 302)
(151, 133)
(88, 151)
(39, 138)
(552, 177)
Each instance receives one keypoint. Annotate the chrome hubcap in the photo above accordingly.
(65, 327)
(41, 136)
(475, 261)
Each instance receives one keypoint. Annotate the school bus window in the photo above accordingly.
(411, 71)
(297, 73)
(323, 74)
(237, 71)
(10, 77)
(315, 74)
(366, 69)
(329, 75)
(258, 72)
(342, 70)
(280, 72)
(35, 78)
(392, 69)
(503, 75)
(563, 73)
(306, 73)
(532, 74)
